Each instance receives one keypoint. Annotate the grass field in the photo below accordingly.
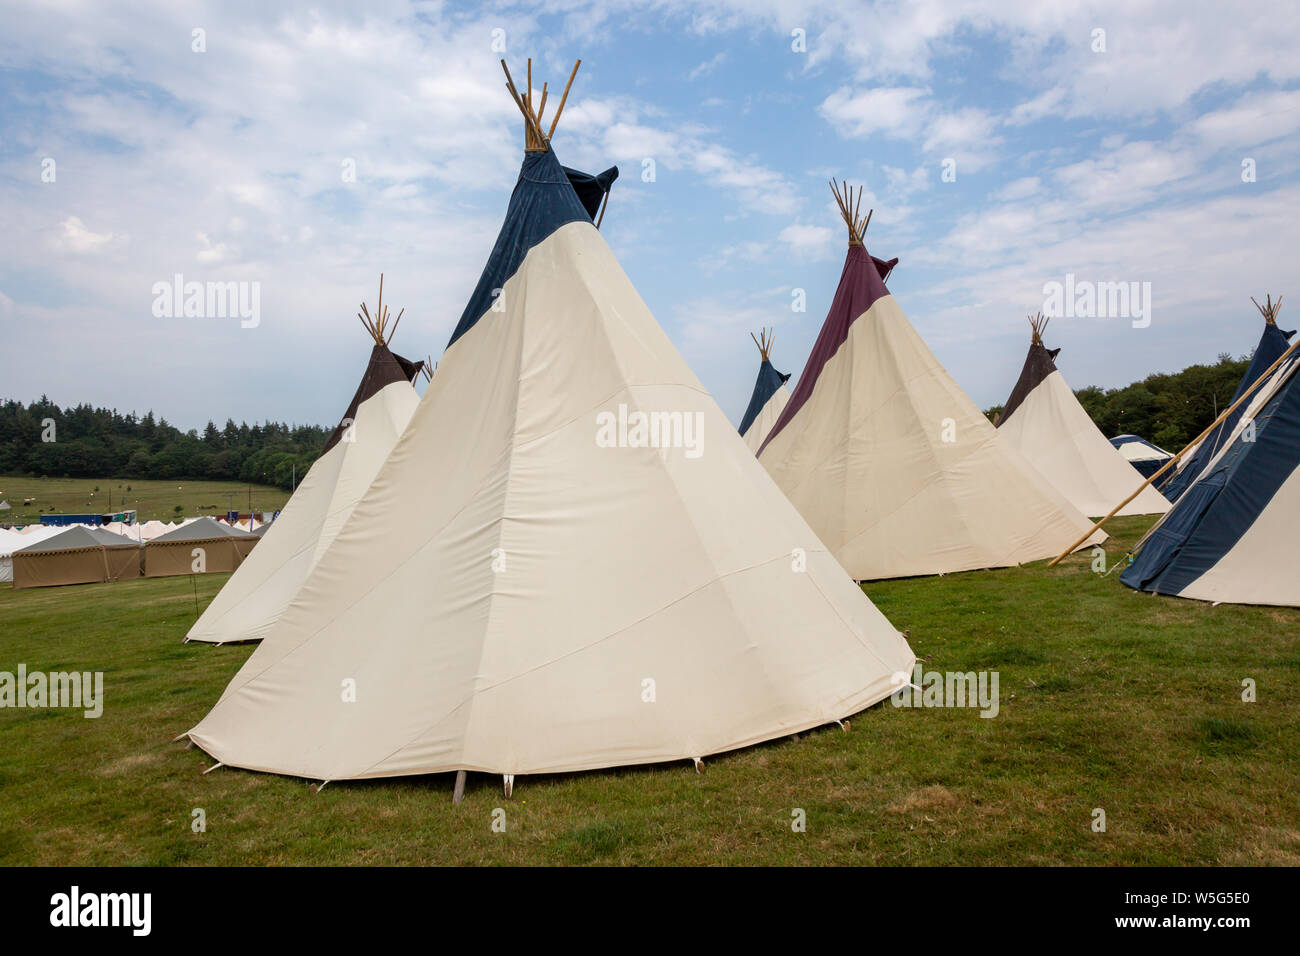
(1109, 699)
(151, 499)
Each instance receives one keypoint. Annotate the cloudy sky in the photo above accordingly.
(1114, 156)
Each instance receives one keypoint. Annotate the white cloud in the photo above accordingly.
(1254, 119)
(809, 239)
(708, 66)
(210, 253)
(75, 237)
(895, 112)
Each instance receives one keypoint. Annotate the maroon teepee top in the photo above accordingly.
(861, 283)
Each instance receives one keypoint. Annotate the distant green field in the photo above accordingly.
(150, 499)
(1109, 699)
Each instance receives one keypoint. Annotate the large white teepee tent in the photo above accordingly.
(1044, 421)
(262, 587)
(558, 567)
(890, 462)
(769, 396)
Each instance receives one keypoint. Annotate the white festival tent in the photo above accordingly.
(1145, 457)
(1043, 420)
(528, 586)
(891, 463)
(270, 577)
(11, 541)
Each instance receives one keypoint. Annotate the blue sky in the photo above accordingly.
(1122, 164)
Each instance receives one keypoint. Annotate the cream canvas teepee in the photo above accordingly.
(893, 466)
(558, 567)
(264, 584)
(1044, 421)
(769, 397)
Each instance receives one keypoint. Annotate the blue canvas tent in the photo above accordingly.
(1272, 343)
(1231, 535)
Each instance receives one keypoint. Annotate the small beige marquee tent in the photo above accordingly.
(79, 555)
(202, 546)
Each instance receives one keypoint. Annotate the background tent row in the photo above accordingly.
(86, 555)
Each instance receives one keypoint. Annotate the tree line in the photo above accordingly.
(1167, 408)
(44, 440)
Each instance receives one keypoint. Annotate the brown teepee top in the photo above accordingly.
(1039, 323)
(849, 208)
(764, 342)
(535, 141)
(378, 326)
(1269, 309)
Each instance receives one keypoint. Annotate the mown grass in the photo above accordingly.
(150, 499)
(1109, 699)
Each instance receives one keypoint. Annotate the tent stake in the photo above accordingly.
(213, 767)
(458, 793)
(1174, 460)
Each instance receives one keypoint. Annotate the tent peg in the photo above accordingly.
(458, 792)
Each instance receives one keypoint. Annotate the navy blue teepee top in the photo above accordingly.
(769, 380)
(1271, 345)
(544, 199)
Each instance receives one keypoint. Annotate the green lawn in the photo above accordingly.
(151, 499)
(1109, 699)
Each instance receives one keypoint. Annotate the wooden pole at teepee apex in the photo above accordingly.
(1176, 458)
(563, 99)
